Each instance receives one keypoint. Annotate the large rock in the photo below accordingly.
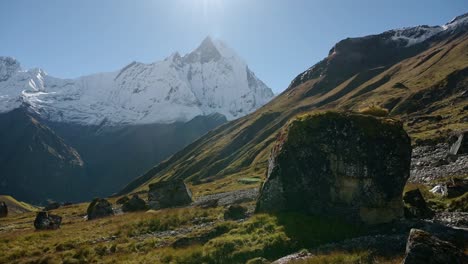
(168, 194)
(335, 164)
(46, 221)
(415, 205)
(3, 209)
(134, 204)
(99, 208)
(422, 248)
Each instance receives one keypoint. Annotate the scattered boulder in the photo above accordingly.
(99, 208)
(3, 209)
(46, 221)
(456, 187)
(235, 212)
(122, 200)
(52, 206)
(134, 204)
(336, 164)
(423, 248)
(168, 194)
(415, 205)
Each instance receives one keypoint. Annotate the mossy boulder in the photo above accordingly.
(99, 208)
(338, 164)
(168, 194)
(134, 204)
(46, 221)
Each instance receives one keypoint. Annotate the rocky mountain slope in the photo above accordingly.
(211, 79)
(121, 123)
(418, 74)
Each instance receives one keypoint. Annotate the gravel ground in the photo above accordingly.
(433, 162)
(227, 198)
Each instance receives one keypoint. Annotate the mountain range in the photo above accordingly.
(105, 129)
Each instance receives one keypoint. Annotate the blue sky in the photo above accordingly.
(278, 38)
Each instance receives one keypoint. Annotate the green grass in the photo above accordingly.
(364, 257)
(374, 110)
(136, 240)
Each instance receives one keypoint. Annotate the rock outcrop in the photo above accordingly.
(423, 248)
(168, 194)
(415, 205)
(99, 208)
(336, 164)
(46, 221)
(3, 209)
(134, 204)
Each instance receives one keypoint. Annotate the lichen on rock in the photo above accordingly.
(339, 164)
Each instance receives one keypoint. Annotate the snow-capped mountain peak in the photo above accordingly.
(414, 35)
(210, 79)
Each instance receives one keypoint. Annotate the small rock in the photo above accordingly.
(439, 189)
(52, 206)
(416, 206)
(235, 212)
(46, 221)
(423, 248)
(3, 209)
(99, 208)
(134, 204)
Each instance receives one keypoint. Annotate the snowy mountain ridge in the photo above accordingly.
(414, 35)
(211, 79)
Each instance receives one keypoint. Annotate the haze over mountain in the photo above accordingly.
(123, 122)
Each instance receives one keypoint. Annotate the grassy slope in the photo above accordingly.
(143, 238)
(15, 206)
(241, 148)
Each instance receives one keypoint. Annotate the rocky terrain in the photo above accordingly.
(432, 162)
